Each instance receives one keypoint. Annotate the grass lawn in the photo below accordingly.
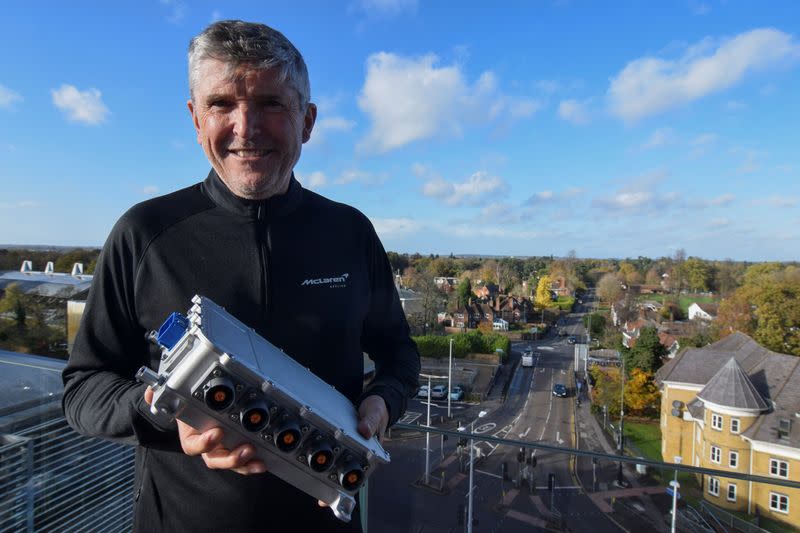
(646, 437)
(685, 300)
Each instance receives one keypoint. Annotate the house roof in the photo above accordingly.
(711, 309)
(774, 376)
(696, 409)
(731, 387)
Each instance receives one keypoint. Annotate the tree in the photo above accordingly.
(628, 273)
(464, 292)
(641, 393)
(698, 274)
(14, 302)
(652, 277)
(598, 324)
(646, 354)
(608, 288)
(544, 298)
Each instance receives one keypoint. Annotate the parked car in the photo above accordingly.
(439, 391)
(457, 393)
(560, 390)
(422, 392)
(572, 339)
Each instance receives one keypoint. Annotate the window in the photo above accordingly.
(784, 428)
(778, 468)
(734, 425)
(713, 486)
(716, 454)
(778, 502)
(716, 422)
(731, 492)
(733, 459)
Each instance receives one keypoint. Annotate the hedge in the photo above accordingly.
(463, 344)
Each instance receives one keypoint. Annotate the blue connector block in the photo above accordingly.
(172, 330)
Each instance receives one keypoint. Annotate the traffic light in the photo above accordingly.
(521, 455)
(462, 441)
(532, 461)
(551, 481)
(504, 470)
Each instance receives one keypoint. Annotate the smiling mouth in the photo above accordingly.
(249, 153)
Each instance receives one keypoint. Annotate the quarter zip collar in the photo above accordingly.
(270, 209)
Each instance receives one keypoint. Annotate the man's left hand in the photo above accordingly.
(373, 417)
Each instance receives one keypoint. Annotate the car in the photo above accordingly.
(422, 392)
(560, 390)
(439, 391)
(457, 393)
(572, 339)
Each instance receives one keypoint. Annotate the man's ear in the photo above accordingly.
(195, 119)
(308, 121)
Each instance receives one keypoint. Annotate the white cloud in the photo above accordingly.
(386, 227)
(702, 144)
(411, 99)
(8, 97)
(721, 200)
(735, 105)
(639, 194)
(699, 8)
(548, 86)
(573, 111)
(177, 10)
(499, 213)
(660, 137)
(479, 189)
(326, 125)
(150, 190)
(80, 106)
(315, 180)
(22, 204)
(651, 85)
(360, 176)
(387, 7)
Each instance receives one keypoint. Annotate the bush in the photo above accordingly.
(463, 344)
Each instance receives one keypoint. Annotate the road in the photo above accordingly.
(398, 502)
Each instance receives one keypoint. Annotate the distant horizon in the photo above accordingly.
(46, 247)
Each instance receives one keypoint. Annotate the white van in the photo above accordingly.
(527, 358)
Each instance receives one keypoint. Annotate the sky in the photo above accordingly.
(519, 128)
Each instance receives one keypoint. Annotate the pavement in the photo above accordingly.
(631, 508)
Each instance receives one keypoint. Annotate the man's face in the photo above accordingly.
(251, 127)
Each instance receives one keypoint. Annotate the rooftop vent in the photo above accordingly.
(49, 269)
(27, 266)
(77, 269)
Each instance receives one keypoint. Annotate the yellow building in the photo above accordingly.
(734, 405)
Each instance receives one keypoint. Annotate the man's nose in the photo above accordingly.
(246, 121)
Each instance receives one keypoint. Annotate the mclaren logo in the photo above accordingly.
(337, 281)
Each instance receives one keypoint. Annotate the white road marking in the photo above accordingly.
(485, 428)
(549, 410)
(523, 435)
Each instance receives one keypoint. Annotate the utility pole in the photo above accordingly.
(428, 433)
(620, 478)
(449, 377)
(471, 469)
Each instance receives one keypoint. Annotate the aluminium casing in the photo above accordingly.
(210, 345)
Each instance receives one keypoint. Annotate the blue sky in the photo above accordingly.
(614, 129)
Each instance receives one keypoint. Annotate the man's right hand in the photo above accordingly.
(207, 445)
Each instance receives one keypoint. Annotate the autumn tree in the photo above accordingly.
(652, 277)
(642, 396)
(608, 288)
(543, 295)
(14, 302)
(698, 274)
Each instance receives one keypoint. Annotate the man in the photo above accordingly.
(249, 237)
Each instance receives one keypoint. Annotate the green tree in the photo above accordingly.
(15, 302)
(598, 324)
(698, 274)
(646, 354)
(464, 292)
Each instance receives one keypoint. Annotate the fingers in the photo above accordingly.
(373, 417)
(208, 445)
(148, 395)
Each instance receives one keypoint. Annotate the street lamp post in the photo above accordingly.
(620, 478)
(675, 486)
(428, 433)
(449, 377)
(471, 468)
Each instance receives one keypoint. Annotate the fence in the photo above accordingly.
(731, 520)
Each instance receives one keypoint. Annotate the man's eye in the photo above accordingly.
(219, 103)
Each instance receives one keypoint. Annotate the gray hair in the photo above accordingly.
(235, 42)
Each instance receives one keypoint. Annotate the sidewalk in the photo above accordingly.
(631, 508)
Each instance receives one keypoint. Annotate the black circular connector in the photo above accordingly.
(219, 393)
(287, 435)
(351, 475)
(255, 415)
(320, 456)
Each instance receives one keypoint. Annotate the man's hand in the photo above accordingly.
(207, 444)
(373, 417)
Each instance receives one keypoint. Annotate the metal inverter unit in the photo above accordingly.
(215, 371)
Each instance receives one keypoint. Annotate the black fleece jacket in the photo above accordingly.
(252, 258)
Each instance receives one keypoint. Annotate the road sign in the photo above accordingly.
(670, 492)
